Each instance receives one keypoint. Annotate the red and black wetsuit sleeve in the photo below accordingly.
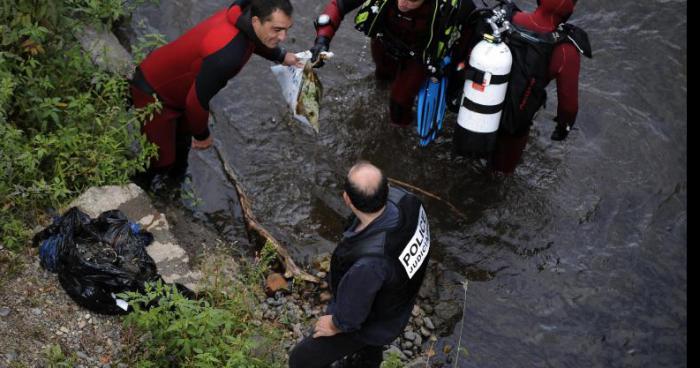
(277, 54)
(216, 70)
(565, 66)
(336, 10)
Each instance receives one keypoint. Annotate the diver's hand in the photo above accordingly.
(290, 59)
(203, 144)
(321, 45)
(561, 132)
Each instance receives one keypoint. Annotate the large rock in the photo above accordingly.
(171, 259)
(106, 51)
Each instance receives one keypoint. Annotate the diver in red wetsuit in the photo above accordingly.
(564, 66)
(409, 40)
(186, 73)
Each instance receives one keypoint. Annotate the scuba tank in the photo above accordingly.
(484, 91)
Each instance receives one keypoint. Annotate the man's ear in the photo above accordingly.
(346, 199)
(255, 20)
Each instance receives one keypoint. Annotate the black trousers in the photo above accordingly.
(323, 351)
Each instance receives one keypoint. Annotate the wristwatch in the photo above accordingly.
(322, 20)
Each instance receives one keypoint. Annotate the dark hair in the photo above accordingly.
(263, 9)
(368, 202)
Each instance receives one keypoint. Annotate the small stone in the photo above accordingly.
(410, 335)
(418, 341)
(428, 309)
(82, 355)
(325, 296)
(64, 330)
(82, 324)
(416, 311)
(424, 332)
(36, 311)
(4, 312)
(429, 323)
(406, 345)
(274, 283)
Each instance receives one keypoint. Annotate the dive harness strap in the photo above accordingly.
(482, 109)
(477, 76)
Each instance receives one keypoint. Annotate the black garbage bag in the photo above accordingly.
(97, 259)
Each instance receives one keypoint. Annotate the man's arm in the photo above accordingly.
(277, 54)
(334, 12)
(215, 72)
(565, 67)
(356, 292)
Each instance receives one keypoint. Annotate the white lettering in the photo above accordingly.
(415, 252)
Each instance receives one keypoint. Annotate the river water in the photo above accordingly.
(577, 260)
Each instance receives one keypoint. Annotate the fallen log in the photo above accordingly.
(291, 268)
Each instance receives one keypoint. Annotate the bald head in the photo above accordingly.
(367, 187)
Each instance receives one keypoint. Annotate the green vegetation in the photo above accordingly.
(393, 360)
(221, 329)
(55, 358)
(64, 124)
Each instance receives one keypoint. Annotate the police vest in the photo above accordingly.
(406, 248)
(445, 28)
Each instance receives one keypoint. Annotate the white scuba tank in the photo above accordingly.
(481, 107)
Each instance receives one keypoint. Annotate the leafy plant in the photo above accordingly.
(393, 360)
(55, 358)
(219, 330)
(65, 125)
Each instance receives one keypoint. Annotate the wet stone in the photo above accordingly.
(410, 335)
(416, 311)
(424, 332)
(418, 341)
(429, 323)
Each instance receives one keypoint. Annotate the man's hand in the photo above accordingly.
(291, 59)
(200, 145)
(321, 45)
(560, 132)
(325, 327)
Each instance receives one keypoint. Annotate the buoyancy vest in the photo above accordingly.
(406, 249)
(529, 75)
(445, 27)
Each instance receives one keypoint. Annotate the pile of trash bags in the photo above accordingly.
(95, 259)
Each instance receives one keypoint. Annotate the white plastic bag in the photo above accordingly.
(301, 88)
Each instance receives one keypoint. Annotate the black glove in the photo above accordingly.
(561, 131)
(321, 45)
